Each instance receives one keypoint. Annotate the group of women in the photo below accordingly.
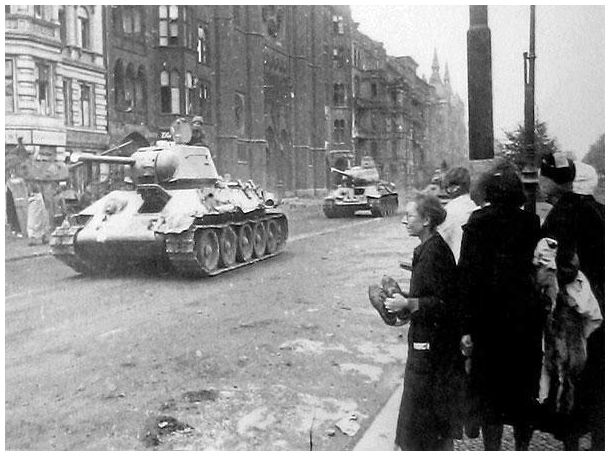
(476, 328)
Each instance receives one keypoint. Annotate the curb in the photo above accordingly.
(379, 436)
(26, 256)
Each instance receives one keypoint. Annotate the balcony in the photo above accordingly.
(25, 26)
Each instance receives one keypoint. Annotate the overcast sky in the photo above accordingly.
(569, 65)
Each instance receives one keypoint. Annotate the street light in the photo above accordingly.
(529, 173)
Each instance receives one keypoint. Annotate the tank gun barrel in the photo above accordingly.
(92, 158)
(77, 162)
(343, 173)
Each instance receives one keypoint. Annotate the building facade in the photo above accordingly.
(55, 80)
(283, 90)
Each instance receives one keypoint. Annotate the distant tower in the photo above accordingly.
(435, 77)
(446, 79)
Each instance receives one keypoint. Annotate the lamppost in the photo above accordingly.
(529, 173)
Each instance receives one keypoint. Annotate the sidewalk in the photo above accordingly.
(16, 248)
(380, 434)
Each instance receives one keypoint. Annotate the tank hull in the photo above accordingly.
(98, 241)
(345, 202)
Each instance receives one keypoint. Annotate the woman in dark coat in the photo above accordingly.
(501, 316)
(576, 222)
(429, 410)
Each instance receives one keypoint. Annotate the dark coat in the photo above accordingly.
(430, 407)
(576, 222)
(500, 310)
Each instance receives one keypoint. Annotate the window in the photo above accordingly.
(189, 94)
(338, 57)
(119, 84)
(7, 9)
(86, 105)
(84, 30)
(373, 89)
(67, 90)
(117, 18)
(168, 25)
(202, 44)
(42, 75)
(163, 25)
(38, 11)
(170, 92)
(175, 84)
(130, 87)
(239, 111)
(242, 153)
(206, 102)
(273, 19)
(237, 16)
(137, 21)
(374, 150)
(338, 25)
(374, 121)
(127, 20)
(9, 85)
(166, 94)
(339, 131)
(339, 94)
(356, 86)
(61, 16)
(188, 31)
(141, 90)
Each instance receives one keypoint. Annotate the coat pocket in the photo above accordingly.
(419, 358)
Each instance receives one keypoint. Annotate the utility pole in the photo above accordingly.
(480, 105)
(529, 173)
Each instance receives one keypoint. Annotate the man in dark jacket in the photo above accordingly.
(576, 222)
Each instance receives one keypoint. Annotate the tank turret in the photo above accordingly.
(168, 164)
(181, 215)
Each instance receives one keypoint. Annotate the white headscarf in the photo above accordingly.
(585, 180)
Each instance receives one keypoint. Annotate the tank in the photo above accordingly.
(179, 215)
(361, 190)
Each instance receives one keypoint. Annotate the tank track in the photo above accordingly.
(63, 248)
(181, 248)
(385, 206)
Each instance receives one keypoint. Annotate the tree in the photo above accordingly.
(514, 146)
(595, 155)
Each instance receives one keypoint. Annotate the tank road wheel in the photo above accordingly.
(282, 225)
(394, 205)
(228, 246)
(259, 239)
(376, 209)
(329, 209)
(273, 236)
(385, 207)
(245, 246)
(207, 250)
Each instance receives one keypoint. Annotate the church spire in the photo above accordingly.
(446, 78)
(435, 77)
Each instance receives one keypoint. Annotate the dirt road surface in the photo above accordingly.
(268, 357)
